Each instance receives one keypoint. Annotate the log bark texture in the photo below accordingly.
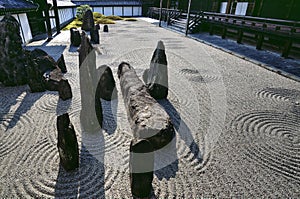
(147, 118)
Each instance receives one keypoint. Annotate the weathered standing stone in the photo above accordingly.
(95, 36)
(88, 21)
(141, 166)
(147, 118)
(91, 110)
(62, 64)
(67, 143)
(106, 88)
(75, 37)
(85, 48)
(157, 76)
(105, 28)
(12, 60)
(64, 89)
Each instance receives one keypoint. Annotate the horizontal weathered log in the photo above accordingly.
(147, 118)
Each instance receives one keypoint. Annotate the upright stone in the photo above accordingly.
(12, 59)
(141, 166)
(62, 64)
(75, 37)
(67, 143)
(148, 120)
(106, 87)
(105, 28)
(157, 77)
(95, 36)
(85, 48)
(88, 21)
(64, 89)
(91, 110)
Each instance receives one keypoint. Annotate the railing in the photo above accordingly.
(288, 32)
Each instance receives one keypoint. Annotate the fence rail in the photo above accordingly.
(260, 30)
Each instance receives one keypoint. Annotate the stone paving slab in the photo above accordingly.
(237, 126)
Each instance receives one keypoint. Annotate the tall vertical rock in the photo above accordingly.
(141, 166)
(12, 60)
(88, 21)
(156, 78)
(67, 143)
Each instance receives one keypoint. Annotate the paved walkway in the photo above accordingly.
(237, 126)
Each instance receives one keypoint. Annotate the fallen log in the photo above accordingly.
(148, 120)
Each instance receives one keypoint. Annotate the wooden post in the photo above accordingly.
(260, 39)
(188, 18)
(48, 23)
(240, 36)
(160, 13)
(287, 48)
(56, 16)
(228, 8)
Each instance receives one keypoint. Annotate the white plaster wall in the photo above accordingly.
(137, 11)
(98, 9)
(128, 11)
(108, 11)
(25, 31)
(25, 28)
(118, 11)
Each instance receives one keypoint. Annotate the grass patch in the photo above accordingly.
(105, 21)
(97, 15)
(130, 19)
(76, 23)
(114, 17)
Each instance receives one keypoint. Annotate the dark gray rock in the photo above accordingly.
(147, 118)
(12, 59)
(64, 89)
(67, 143)
(42, 71)
(141, 166)
(95, 36)
(106, 87)
(85, 48)
(91, 110)
(105, 28)
(75, 37)
(88, 21)
(157, 76)
(62, 64)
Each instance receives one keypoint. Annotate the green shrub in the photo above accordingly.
(130, 19)
(113, 17)
(81, 10)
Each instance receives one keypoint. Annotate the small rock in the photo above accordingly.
(105, 28)
(75, 37)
